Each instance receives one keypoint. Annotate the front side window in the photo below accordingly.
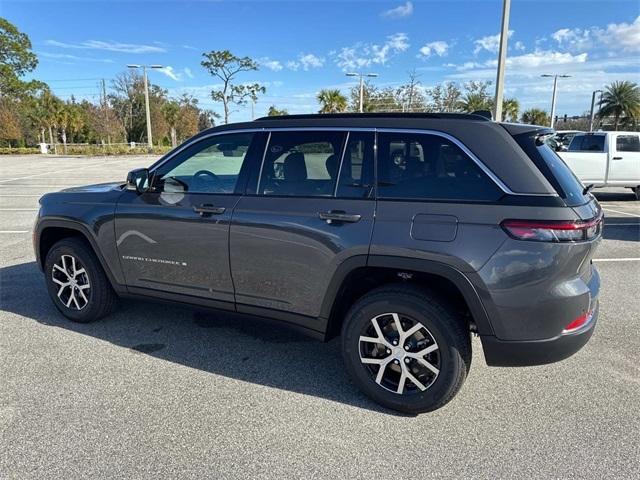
(210, 166)
(587, 143)
(628, 143)
(429, 167)
(301, 163)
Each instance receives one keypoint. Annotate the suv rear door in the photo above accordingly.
(294, 228)
(175, 237)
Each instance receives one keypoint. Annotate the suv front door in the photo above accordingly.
(624, 167)
(291, 233)
(174, 238)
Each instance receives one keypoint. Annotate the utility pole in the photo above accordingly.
(361, 75)
(593, 111)
(146, 98)
(502, 58)
(104, 111)
(555, 91)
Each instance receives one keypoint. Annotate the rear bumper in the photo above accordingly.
(521, 353)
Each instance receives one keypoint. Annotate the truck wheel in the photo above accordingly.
(406, 348)
(76, 282)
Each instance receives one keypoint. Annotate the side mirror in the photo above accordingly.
(138, 180)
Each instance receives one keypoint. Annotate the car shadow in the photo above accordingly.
(239, 347)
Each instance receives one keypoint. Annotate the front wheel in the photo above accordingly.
(76, 282)
(406, 348)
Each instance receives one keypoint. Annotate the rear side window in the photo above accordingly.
(557, 173)
(628, 143)
(587, 143)
(429, 167)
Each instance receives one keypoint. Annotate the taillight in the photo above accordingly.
(578, 323)
(553, 230)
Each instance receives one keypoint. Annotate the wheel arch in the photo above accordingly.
(51, 231)
(369, 272)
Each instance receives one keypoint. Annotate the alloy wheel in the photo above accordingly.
(71, 277)
(400, 353)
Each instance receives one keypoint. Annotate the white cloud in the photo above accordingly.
(439, 48)
(187, 71)
(519, 46)
(65, 56)
(362, 55)
(574, 39)
(400, 11)
(273, 65)
(490, 43)
(109, 46)
(171, 73)
(624, 35)
(616, 36)
(293, 65)
(309, 60)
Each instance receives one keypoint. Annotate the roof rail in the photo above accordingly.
(442, 115)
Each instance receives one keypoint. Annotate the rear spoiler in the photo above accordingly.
(519, 128)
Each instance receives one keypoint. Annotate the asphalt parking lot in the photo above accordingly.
(160, 391)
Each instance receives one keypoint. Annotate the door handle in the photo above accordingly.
(208, 209)
(338, 216)
(617, 158)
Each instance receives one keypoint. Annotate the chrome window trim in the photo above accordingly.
(418, 131)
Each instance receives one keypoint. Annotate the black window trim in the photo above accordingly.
(421, 131)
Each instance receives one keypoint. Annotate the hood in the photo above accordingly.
(97, 188)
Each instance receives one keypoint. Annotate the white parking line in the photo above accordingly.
(18, 195)
(621, 213)
(18, 209)
(14, 231)
(632, 259)
(84, 167)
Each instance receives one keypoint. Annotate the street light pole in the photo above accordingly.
(146, 98)
(502, 58)
(361, 75)
(593, 112)
(555, 91)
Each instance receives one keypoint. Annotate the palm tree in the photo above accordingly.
(621, 100)
(331, 101)
(510, 109)
(276, 112)
(535, 116)
(473, 102)
(171, 113)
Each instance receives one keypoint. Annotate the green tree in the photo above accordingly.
(226, 66)
(472, 102)
(411, 95)
(16, 59)
(510, 109)
(171, 112)
(276, 112)
(621, 100)
(535, 116)
(444, 97)
(331, 101)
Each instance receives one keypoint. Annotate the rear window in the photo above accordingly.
(587, 143)
(628, 143)
(559, 175)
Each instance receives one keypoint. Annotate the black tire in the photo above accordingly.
(448, 329)
(100, 297)
(637, 192)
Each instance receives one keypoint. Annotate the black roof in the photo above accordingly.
(396, 115)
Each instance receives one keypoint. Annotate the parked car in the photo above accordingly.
(561, 139)
(606, 159)
(402, 233)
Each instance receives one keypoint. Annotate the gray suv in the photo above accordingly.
(402, 233)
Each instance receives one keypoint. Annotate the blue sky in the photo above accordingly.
(304, 46)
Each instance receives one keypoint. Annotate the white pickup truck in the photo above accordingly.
(606, 159)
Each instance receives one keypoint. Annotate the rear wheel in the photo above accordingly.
(76, 282)
(406, 349)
